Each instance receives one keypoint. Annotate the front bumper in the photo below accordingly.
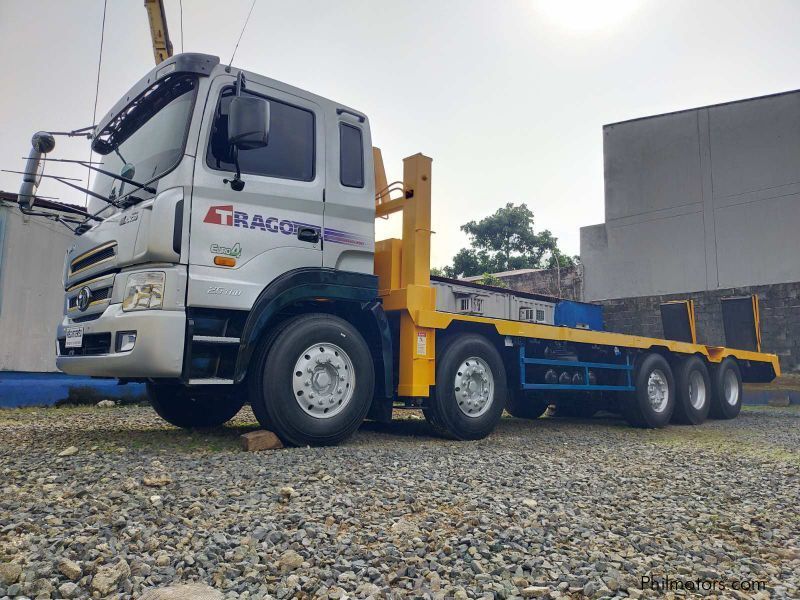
(158, 352)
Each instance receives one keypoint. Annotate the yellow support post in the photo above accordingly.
(416, 221)
(757, 321)
(381, 186)
(417, 344)
(410, 259)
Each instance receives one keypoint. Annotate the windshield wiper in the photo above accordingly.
(88, 165)
(66, 181)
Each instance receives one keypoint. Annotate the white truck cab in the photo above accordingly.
(307, 201)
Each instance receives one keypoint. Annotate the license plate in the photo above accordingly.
(74, 337)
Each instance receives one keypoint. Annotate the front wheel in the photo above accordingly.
(194, 407)
(727, 391)
(313, 383)
(470, 392)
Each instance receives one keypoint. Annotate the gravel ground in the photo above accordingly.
(552, 508)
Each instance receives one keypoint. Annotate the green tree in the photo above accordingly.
(493, 280)
(506, 241)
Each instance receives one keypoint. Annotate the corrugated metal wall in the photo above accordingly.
(31, 295)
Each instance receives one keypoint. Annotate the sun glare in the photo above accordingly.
(585, 16)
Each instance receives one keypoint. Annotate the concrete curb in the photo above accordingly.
(771, 397)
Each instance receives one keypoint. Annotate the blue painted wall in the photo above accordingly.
(46, 389)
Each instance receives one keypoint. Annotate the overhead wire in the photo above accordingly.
(246, 21)
(96, 93)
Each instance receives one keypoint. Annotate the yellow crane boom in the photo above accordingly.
(162, 46)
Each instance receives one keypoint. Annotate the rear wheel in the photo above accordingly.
(195, 407)
(653, 402)
(313, 385)
(692, 391)
(727, 392)
(527, 404)
(470, 392)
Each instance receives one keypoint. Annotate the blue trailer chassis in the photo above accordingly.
(585, 386)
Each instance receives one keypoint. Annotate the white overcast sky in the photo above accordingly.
(508, 97)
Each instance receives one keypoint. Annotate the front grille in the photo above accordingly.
(93, 257)
(97, 295)
(93, 344)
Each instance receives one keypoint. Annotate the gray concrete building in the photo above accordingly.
(701, 201)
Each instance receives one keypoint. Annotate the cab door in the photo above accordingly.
(350, 193)
(241, 241)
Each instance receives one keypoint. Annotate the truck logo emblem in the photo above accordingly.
(220, 215)
(84, 298)
(226, 215)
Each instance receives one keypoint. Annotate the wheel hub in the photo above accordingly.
(697, 390)
(474, 386)
(323, 380)
(731, 387)
(658, 390)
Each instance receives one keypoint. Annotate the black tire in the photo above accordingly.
(726, 397)
(638, 409)
(195, 407)
(443, 412)
(272, 381)
(692, 391)
(253, 375)
(530, 404)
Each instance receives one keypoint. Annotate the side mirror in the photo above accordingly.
(42, 142)
(248, 123)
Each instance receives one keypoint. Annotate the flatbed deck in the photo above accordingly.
(714, 354)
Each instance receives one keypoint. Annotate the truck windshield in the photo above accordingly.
(147, 138)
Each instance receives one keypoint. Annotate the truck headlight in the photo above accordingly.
(144, 291)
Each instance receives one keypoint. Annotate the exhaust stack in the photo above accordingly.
(42, 142)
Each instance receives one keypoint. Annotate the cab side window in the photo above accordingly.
(289, 153)
(351, 156)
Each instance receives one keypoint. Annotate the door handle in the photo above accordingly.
(308, 234)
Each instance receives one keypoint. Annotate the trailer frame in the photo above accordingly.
(403, 270)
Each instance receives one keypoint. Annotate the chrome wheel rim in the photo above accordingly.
(698, 393)
(323, 380)
(474, 387)
(658, 390)
(730, 386)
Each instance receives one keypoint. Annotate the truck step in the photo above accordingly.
(211, 381)
(215, 339)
